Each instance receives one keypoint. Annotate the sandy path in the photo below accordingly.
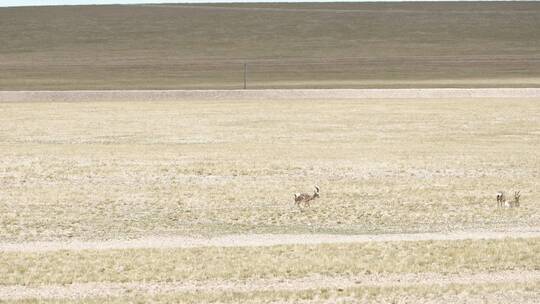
(175, 95)
(102, 289)
(250, 240)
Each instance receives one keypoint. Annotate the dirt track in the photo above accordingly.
(80, 290)
(172, 95)
(260, 240)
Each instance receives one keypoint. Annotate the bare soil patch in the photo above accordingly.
(262, 240)
(273, 94)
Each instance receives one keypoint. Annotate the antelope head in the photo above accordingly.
(316, 193)
(305, 197)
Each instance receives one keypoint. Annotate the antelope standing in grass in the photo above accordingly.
(516, 198)
(501, 198)
(305, 197)
(503, 202)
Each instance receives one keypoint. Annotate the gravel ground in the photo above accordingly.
(263, 240)
(172, 95)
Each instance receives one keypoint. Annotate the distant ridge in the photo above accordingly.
(24, 3)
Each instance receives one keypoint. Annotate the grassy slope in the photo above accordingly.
(116, 170)
(287, 45)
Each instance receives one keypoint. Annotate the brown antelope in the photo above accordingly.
(502, 202)
(305, 197)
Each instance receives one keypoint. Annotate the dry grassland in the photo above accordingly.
(113, 170)
(406, 272)
(120, 170)
(507, 293)
(277, 262)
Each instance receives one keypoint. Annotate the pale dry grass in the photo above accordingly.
(282, 262)
(115, 170)
(455, 293)
(393, 270)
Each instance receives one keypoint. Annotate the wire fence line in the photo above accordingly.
(248, 73)
(349, 71)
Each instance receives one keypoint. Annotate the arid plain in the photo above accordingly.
(116, 169)
(226, 170)
(188, 196)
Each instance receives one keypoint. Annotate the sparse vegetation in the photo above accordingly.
(114, 170)
(285, 262)
(123, 170)
(257, 271)
(90, 176)
(508, 293)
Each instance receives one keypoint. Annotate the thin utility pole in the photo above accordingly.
(245, 75)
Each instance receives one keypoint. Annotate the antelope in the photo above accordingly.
(502, 202)
(516, 198)
(305, 197)
(501, 198)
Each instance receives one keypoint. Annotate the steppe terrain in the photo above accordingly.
(113, 190)
(192, 200)
(315, 45)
